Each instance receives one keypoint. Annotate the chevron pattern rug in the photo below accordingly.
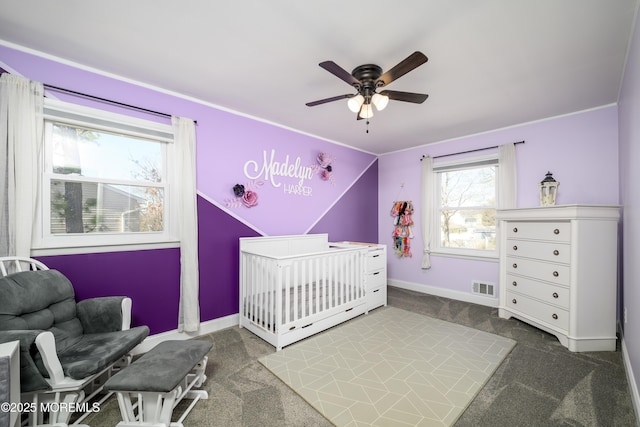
(391, 367)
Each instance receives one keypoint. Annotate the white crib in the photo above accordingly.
(292, 287)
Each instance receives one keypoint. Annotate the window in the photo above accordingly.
(465, 214)
(105, 179)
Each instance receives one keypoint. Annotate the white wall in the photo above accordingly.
(629, 112)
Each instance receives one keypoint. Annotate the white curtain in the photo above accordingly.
(507, 181)
(185, 149)
(428, 206)
(21, 123)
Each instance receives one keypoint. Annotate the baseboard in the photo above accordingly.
(631, 379)
(207, 327)
(446, 293)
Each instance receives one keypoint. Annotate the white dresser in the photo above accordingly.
(558, 272)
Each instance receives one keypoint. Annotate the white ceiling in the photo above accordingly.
(492, 63)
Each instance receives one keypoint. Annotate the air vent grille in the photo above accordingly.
(483, 288)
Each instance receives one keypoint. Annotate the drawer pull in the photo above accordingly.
(514, 283)
(515, 248)
(377, 290)
(555, 316)
(515, 229)
(514, 301)
(556, 231)
(515, 265)
(377, 272)
(555, 295)
(375, 256)
(556, 274)
(556, 252)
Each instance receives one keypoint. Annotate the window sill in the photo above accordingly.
(75, 250)
(470, 256)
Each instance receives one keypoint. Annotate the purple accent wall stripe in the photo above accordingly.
(354, 217)
(150, 278)
(232, 214)
(355, 181)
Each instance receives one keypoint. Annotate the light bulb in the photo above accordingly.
(366, 112)
(380, 101)
(355, 102)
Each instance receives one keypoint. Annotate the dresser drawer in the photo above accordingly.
(548, 314)
(550, 272)
(547, 251)
(375, 260)
(552, 231)
(376, 298)
(546, 292)
(376, 279)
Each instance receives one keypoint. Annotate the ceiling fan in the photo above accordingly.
(367, 79)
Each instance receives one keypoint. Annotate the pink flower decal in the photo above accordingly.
(250, 198)
(324, 167)
(324, 159)
(245, 195)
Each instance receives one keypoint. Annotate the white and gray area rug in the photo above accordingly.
(391, 368)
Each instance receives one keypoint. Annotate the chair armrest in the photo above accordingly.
(104, 314)
(30, 377)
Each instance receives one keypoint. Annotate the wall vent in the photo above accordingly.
(483, 288)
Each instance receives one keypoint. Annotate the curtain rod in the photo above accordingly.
(109, 101)
(468, 151)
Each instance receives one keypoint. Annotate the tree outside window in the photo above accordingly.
(467, 208)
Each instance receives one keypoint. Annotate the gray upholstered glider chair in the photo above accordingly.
(68, 349)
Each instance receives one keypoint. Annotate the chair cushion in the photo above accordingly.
(162, 368)
(94, 352)
(36, 300)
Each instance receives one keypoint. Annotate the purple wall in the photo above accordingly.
(144, 276)
(581, 150)
(225, 143)
(218, 247)
(347, 220)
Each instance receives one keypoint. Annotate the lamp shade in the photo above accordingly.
(355, 102)
(380, 101)
(366, 112)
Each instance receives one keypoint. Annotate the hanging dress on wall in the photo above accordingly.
(402, 222)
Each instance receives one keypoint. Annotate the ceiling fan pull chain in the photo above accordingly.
(367, 125)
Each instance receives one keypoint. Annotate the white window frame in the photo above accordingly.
(46, 243)
(466, 163)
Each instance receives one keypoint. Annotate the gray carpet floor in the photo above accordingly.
(540, 383)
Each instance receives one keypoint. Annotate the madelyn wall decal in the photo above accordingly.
(278, 174)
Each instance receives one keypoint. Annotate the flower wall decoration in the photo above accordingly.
(245, 195)
(324, 166)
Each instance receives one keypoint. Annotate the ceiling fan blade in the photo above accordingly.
(417, 98)
(409, 63)
(324, 101)
(340, 73)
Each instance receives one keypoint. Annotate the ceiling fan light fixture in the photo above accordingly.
(380, 101)
(355, 102)
(366, 112)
